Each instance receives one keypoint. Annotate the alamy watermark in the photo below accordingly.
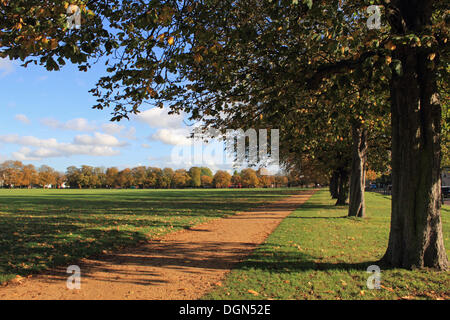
(73, 17)
(74, 280)
(374, 280)
(374, 20)
(231, 148)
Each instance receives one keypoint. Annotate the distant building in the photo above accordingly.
(445, 176)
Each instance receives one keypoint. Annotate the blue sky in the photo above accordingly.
(47, 118)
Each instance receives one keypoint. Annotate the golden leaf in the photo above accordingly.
(253, 292)
(53, 44)
(390, 46)
(198, 58)
(387, 288)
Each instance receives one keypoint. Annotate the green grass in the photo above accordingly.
(318, 253)
(45, 228)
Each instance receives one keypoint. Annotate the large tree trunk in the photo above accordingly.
(334, 180)
(357, 205)
(416, 231)
(342, 193)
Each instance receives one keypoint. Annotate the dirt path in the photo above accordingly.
(181, 265)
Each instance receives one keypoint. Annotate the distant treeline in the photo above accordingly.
(14, 174)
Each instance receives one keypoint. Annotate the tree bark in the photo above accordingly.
(357, 205)
(342, 194)
(415, 239)
(334, 180)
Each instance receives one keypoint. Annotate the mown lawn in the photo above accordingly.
(44, 228)
(318, 253)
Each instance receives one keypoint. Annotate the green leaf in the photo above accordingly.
(309, 3)
(397, 67)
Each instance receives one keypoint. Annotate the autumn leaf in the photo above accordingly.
(390, 46)
(198, 58)
(387, 288)
(253, 292)
(53, 44)
(18, 279)
(161, 37)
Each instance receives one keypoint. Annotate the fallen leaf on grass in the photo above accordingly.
(18, 279)
(387, 288)
(253, 292)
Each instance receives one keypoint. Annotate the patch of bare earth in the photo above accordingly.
(181, 265)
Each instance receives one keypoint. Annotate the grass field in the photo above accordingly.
(44, 228)
(318, 253)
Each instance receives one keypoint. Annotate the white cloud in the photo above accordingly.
(130, 134)
(79, 124)
(27, 154)
(98, 139)
(6, 67)
(145, 146)
(64, 150)
(116, 129)
(174, 137)
(22, 118)
(112, 128)
(97, 145)
(159, 118)
(99, 151)
(29, 141)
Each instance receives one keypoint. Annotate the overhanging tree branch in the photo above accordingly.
(335, 68)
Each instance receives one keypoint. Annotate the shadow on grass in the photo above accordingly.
(160, 202)
(298, 262)
(41, 230)
(147, 265)
(46, 243)
(332, 218)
